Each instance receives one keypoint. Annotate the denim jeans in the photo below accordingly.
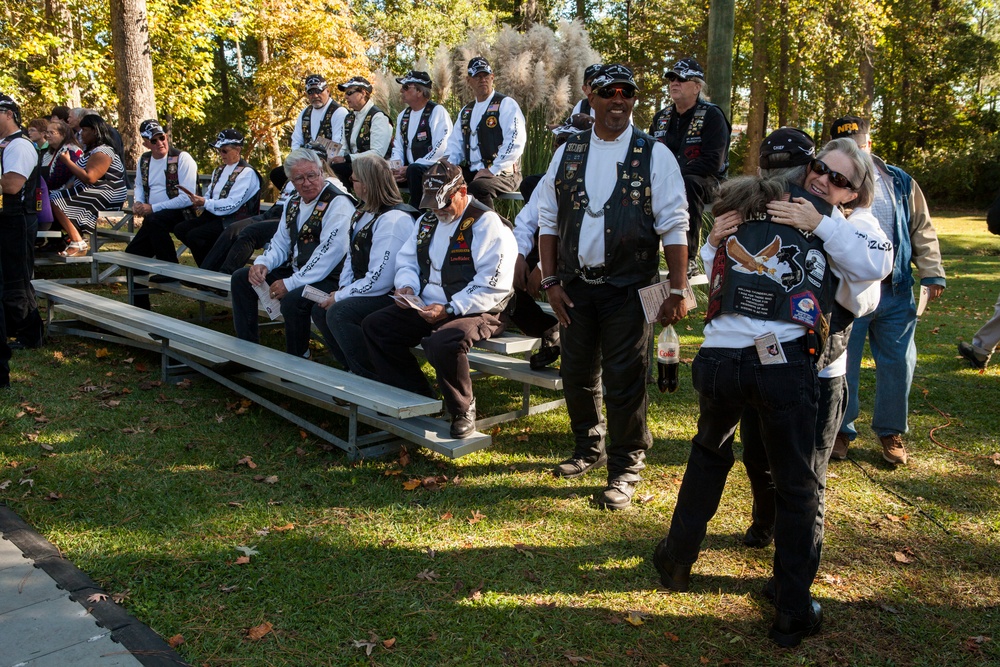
(341, 329)
(785, 396)
(890, 332)
(294, 309)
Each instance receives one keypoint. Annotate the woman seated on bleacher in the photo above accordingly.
(98, 185)
(379, 227)
(55, 174)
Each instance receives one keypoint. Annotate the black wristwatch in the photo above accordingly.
(448, 310)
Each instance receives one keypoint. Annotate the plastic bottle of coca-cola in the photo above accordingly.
(668, 357)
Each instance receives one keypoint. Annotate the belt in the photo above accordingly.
(592, 276)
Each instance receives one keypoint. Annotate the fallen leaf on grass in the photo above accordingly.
(247, 461)
(270, 479)
(248, 551)
(404, 457)
(447, 515)
(101, 353)
(671, 636)
(412, 484)
(368, 646)
(118, 598)
(176, 641)
(389, 643)
(477, 592)
(635, 618)
(30, 482)
(524, 550)
(974, 644)
(227, 589)
(54, 496)
(996, 458)
(97, 597)
(140, 367)
(392, 473)
(258, 631)
(903, 558)
(428, 575)
(891, 610)
(531, 576)
(575, 659)
(286, 527)
(4, 485)
(242, 560)
(475, 517)
(184, 384)
(703, 660)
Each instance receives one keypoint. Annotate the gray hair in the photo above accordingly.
(300, 155)
(864, 168)
(748, 194)
(788, 174)
(703, 88)
(80, 112)
(423, 90)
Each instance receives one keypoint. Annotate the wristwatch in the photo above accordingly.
(448, 310)
(678, 292)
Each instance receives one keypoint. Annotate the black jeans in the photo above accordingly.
(4, 346)
(700, 190)
(606, 342)
(17, 263)
(392, 331)
(830, 413)
(785, 396)
(235, 246)
(200, 234)
(153, 238)
(294, 309)
(415, 182)
(485, 189)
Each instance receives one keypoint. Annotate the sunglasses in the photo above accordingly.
(158, 138)
(673, 77)
(352, 92)
(838, 179)
(314, 91)
(608, 92)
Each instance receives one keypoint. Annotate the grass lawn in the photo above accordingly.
(141, 486)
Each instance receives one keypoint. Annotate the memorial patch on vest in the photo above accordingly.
(491, 122)
(774, 261)
(815, 267)
(466, 224)
(805, 308)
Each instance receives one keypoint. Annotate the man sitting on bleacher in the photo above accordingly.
(308, 249)
(460, 263)
(161, 175)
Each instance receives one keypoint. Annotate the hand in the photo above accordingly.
(399, 174)
(933, 292)
(328, 301)
(521, 273)
(672, 310)
(798, 213)
(65, 157)
(401, 291)
(724, 226)
(483, 173)
(434, 313)
(560, 304)
(258, 272)
(141, 210)
(340, 159)
(534, 282)
(278, 289)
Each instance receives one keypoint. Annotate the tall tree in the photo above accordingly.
(133, 72)
(721, 29)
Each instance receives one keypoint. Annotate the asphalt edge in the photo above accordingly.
(146, 646)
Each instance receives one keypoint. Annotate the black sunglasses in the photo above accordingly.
(608, 92)
(838, 179)
(405, 87)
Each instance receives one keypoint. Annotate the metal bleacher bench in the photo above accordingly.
(240, 365)
(493, 358)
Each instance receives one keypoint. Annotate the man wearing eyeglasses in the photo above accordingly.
(367, 129)
(491, 137)
(610, 198)
(323, 118)
(307, 249)
(422, 131)
(902, 214)
(162, 174)
(697, 133)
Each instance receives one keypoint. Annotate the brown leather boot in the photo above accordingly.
(893, 449)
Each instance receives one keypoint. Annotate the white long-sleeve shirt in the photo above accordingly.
(525, 226)
(246, 186)
(389, 233)
(332, 246)
(440, 127)
(381, 133)
(187, 177)
(514, 137)
(315, 120)
(670, 214)
(494, 252)
(860, 256)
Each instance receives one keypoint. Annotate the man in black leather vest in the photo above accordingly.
(422, 131)
(367, 129)
(454, 278)
(697, 133)
(610, 199)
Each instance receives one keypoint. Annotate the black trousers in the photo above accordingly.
(234, 247)
(700, 190)
(200, 234)
(4, 346)
(415, 182)
(153, 238)
(392, 331)
(17, 257)
(486, 189)
(529, 317)
(606, 342)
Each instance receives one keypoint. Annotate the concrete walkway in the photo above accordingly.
(46, 621)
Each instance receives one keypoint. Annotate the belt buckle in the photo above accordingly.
(599, 280)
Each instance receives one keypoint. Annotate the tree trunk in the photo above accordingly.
(581, 10)
(264, 56)
(867, 72)
(783, 67)
(60, 18)
(133, 72)
(721, 21)
(758, 92)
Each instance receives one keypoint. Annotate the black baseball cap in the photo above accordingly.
(227, 138)
(479, 65)
(7, 102)
(848, 126)
(616, 73)
(415, 76)
(685, 69)
(150, 128)
(786, 147)
(355, 82)
(591, 72)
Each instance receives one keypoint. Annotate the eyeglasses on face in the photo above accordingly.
(352, 92)
(405, 87)
(307, 178)
(838, 179)
(608, 92)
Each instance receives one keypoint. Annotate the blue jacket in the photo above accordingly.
(913, 237)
